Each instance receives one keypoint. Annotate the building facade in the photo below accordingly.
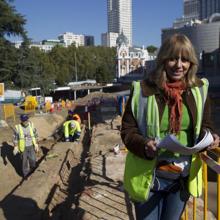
(209, 7)
(191, 9)
(201, 24)
(196, 11)
(200, 9)
(130, 60)
(69, 38)
(120, 17)
(109, 39)
(205, 36)
(64, 40)
(45, 45)
(89, 40)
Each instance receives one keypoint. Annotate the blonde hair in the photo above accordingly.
(171, 48)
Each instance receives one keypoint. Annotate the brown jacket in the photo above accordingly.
(130, 134)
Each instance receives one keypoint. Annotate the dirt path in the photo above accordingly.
(10, 165)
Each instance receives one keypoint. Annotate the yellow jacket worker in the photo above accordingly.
(25, 143)
(72, 130)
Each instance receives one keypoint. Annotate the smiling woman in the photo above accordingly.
(176, 57)
(177, 68)
(171, 100)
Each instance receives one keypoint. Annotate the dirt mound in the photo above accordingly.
(47, 124)
(95, 96)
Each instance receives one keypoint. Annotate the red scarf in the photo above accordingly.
(174, 101)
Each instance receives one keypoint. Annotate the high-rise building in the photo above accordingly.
(89, 40)
(109, 39)
(200, 9)
(120, 17)
(209, 7)
(201, 23)
(191, 9)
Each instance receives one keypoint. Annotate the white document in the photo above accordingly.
(171, 143)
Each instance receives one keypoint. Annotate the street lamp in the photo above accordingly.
(76, 77)
(94, 57)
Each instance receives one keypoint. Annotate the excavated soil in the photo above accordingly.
(73, 181)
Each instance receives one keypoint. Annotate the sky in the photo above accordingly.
(47, 19)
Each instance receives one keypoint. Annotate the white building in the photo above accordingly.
(69, 38)
(181, 22)
(130, 60)
(46, 45)
(120, 17)
(65, 40)
(109, 39)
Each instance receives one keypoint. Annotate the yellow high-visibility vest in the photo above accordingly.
(21, 140)
(68, 131)
(138, 173)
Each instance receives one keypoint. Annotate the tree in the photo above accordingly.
(8, 57)
(60, 59)
(23, 71)
(29, 67)
(89, 63)
(11, 24)
(151, 49)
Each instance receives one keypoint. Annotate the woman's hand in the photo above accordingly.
(215, 143)
(151, 148)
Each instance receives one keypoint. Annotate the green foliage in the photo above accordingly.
(29, 67)
(60, 60)
(11, 22)
(83, 63)
(8, 58)
(151, 49)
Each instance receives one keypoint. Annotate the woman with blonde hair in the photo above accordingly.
(172, 100)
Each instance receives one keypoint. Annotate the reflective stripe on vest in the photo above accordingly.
(66, 128)
(148, 115)
(195, 173)
(21, 141)
(138, 172)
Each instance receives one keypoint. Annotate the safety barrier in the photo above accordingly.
(58, 106)
(29, 107)
(9, 111)
(216, 166)
(63, 104)
(47, 107)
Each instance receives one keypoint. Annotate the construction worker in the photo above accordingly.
(25, 143)
(72, 130)
(76, 117)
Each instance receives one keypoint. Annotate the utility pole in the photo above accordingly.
(76, 77)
